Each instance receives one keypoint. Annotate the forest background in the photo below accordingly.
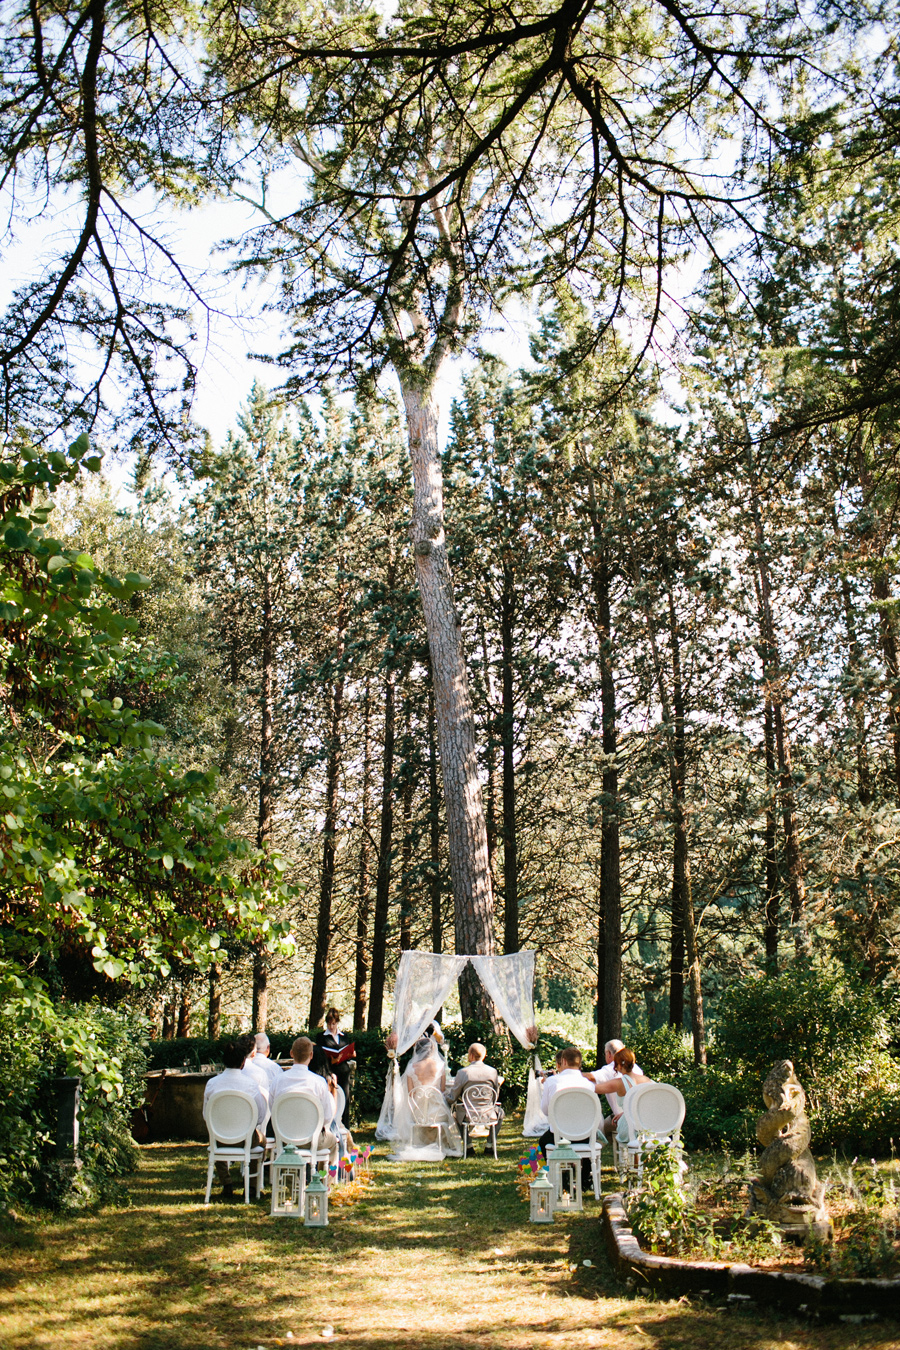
(612, 674)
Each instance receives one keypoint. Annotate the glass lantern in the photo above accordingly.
(565, 1177)
(541, 1194)
(316, 1202)
(288, 1183)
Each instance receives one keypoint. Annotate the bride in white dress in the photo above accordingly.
(424, 1128)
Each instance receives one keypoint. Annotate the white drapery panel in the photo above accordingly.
(423, 982)
(509, 980)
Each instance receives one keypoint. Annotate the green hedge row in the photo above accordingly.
(511, 1061)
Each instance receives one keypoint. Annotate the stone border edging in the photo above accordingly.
(736, 1283)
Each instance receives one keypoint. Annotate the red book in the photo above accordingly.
(340, 1056)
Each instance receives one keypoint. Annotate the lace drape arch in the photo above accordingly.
(424, 980)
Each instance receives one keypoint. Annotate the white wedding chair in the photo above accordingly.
(298, 1118)
(654, 1113)
(482, 1116)
(231, 1119)
(576, 1114)
(429, 1112)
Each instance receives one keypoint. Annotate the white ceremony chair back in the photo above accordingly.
(231, 1120)
(481, 1115)
(655, 1114)
(298, 1118)
(575, 1114)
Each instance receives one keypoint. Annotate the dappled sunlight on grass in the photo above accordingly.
(432, 1256)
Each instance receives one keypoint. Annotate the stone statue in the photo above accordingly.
(787, 1191)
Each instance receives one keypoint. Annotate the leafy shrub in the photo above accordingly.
(105, 1049)
(826, 1022)
(662, 1054)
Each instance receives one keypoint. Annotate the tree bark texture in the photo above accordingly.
(260, 1000)
(434, 832)
(609, 940)
(184, 1012)
(362, 885)
(681, 876)
(385, 845)
(882, 592)
(773, 875)
(466, 826)
(774, 682)
(406, 843)
(507, 740)
(260, 1008)
(318, 1001)
(214, 1013)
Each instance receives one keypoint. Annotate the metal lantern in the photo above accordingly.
(316, 1202)
(288, 1183)
(565, 1177)
(541, 1194)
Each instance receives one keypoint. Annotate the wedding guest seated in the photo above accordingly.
(627, 1078)
(299, 1075)
(235, 1078)
(476, 1071)
(603, 1076)
(568, 1075)
(264, 1059)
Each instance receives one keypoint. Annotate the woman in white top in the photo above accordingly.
(623, 1063)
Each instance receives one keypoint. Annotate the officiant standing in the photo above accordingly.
(334, 1045)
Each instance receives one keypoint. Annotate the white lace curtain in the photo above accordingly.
(424, 980)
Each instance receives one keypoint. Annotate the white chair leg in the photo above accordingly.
(494, 1140)
(209, 1176)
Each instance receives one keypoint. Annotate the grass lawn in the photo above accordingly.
(433, 1256)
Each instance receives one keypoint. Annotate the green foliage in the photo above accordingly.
(824, 1020)
(663, 1054)
(106, 848)
(106, 1050)
(869, 1233)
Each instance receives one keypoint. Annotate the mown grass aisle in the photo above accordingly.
(435, 1256)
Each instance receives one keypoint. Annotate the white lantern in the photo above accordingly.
(541, 1194)
(288, 1183)
(565, 1177)
(316, 1202)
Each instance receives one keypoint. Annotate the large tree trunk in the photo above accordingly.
(434, 833)
(682, 863)
(508, 741)
(383, 877)
(362, 888)
(466, 827)
(214, 1015)
(406, 802)
(260, 1009)
(609, 932)
(774, 682)
(490, 755)
(318, 1000)
(773, 877)
(184, 1011)
(260, 1004)
(884, 600)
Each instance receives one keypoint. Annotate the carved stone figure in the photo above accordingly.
(787, 1190)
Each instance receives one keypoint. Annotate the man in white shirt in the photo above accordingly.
(603, 1075)
(568, 1075)
(263, 1059)
(234, 1078)
(300, 1076)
